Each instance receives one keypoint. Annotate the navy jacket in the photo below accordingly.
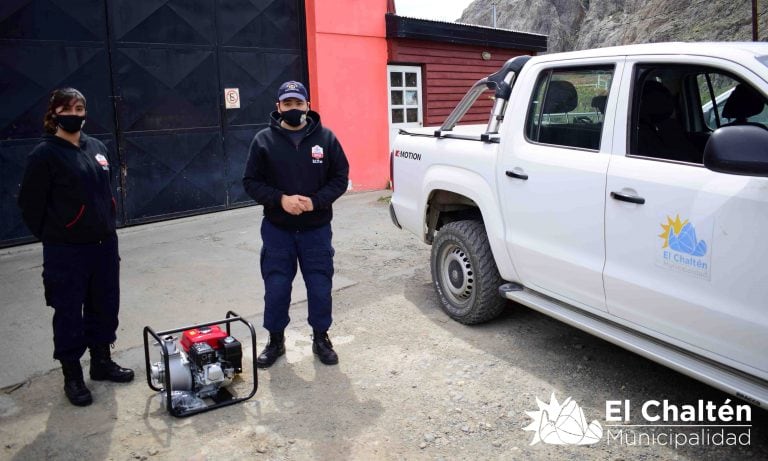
(66, 195)
(317, 168)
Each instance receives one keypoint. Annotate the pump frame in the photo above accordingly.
(222, 400)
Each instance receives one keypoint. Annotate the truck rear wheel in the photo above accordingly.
(464, 273)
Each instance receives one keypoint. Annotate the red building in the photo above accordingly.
(451, 58)
(374, 72)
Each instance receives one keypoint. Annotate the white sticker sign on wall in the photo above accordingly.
(232, 98)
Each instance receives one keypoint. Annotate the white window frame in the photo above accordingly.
(393, 127)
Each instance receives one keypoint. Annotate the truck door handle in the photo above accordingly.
(627, 198)
(512, 174)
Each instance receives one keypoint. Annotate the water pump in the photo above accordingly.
(202, 365)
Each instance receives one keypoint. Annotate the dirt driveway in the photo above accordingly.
(411, 384)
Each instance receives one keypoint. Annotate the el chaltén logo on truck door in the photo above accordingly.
(407, 155)
(682, 250)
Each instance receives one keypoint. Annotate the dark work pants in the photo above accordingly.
(281, 251)
(82, 284)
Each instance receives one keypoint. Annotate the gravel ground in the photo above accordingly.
(411, 383)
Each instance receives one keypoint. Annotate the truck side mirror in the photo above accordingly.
(738, 149)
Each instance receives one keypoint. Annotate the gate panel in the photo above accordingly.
(30, 71)
(47, 44)
(166, 88)
(188, 174)
(262, 23)
(262, 44)
(183, 22)
(258, 75)
(73, 21)
(236, 144)
(153, 72)
(168, 104)
(13, 159)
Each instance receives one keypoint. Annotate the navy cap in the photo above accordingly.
(292, 89)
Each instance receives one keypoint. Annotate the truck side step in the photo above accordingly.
(508, 287)
(732, 381)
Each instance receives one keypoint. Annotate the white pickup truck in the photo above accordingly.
(600, 194)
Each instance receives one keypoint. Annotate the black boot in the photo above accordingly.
(104, 369)
(74, 386)
(275, 348)
(322, 347)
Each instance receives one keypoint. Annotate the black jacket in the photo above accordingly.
(66, 195)
(317, 168)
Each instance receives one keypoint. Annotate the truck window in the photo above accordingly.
(568, 107)
(745, 105)
(677, 107)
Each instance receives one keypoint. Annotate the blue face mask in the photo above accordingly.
(294, 117)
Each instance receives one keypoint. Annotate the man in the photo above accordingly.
(296, 168)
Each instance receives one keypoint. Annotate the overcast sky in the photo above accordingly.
(440, 10)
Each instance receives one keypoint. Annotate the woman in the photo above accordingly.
(66, 201)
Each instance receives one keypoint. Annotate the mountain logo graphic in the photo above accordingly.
(680, 236)
(562, 424)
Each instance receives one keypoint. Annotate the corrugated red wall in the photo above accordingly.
(448, 71)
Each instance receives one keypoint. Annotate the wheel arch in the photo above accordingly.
(453, 194)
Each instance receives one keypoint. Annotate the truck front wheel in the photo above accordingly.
(464, 273)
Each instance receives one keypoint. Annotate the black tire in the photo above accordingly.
(464, 273)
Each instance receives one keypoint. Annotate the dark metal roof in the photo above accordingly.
(465, 34)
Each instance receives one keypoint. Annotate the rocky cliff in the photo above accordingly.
(580, 24)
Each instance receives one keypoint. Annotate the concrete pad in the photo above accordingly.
(174, 273)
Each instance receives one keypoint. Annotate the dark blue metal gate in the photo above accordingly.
(46, 44)
(154, 73)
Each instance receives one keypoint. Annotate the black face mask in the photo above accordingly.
(70, 123)
(294, 117)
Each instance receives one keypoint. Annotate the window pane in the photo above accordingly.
(397, 116)
(410, 79)
(411, 98)
(746, 104)
(669, 101)
(395, 79)
(412, 115)
(569, 106)
(535, 117)
(396, 97)
(723, 87)
(762, 117)
(704, 95)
